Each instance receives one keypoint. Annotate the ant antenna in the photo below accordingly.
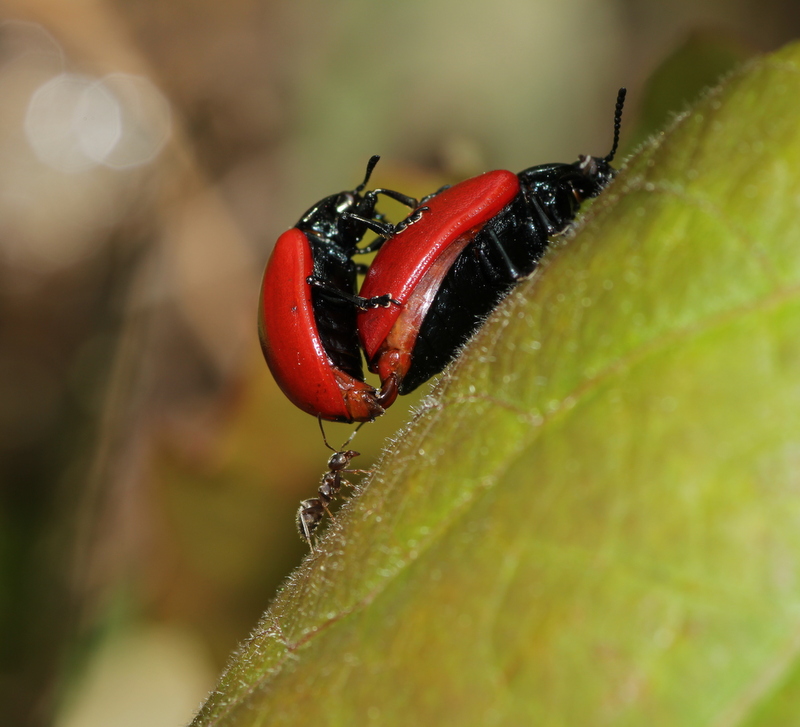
(617, 123)
(373, 160)
(354, 432)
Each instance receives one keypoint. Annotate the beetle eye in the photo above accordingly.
(586, 164)
(344, 202)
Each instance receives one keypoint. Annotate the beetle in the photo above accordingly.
(308, 304)
(471, 244)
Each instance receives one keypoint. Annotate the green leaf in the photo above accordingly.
(595, 517)
(697, 63)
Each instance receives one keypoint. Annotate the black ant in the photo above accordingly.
(311, 511)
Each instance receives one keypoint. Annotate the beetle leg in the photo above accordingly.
(381, 228)
(549, 225)
(415, 216)
(385, 230)
(375, 244)
(409, 202)
(378, 301)
(388, 392)
(433, 194)
(507, 266)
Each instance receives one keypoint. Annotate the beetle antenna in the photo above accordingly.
(349, 439)
(617, 123)
(373, 160)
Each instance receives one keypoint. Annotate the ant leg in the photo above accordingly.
(308, 518)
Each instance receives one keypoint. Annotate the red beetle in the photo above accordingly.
(307, 311)
(474, 241)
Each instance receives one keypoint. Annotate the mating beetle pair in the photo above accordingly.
(436, 276)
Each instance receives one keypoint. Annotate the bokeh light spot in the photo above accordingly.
(74, 122)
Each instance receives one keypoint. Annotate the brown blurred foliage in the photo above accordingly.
(151, 153)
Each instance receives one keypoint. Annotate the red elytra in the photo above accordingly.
(411, 266)
(292, 344)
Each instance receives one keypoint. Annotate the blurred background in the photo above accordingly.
(150, 155)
